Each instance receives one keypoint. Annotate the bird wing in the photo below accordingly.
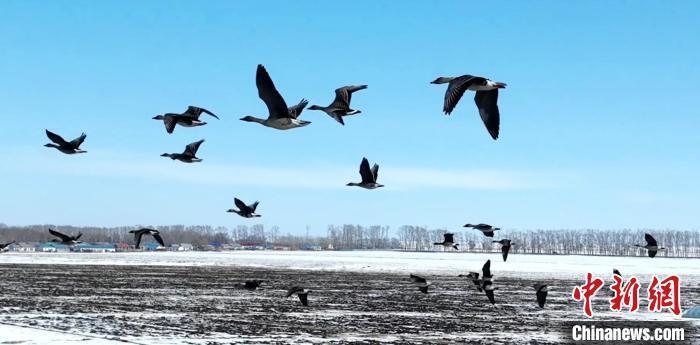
(269, 94)
(343, 96)
(78, 141)
(304, 298)
(169, 121)
(77, 237)
(254, 206)
(375, 171)
(159, 239)
(541, 296)
(417, 279)
(650, 240)
(504, 250)
(366, 172)
(295, 111)
(240, 204)
(293, 290)
(615, 271)
(137, 237)
(490, 295)
(194, 112)
(487, 102)
(424, 288)
(192, 148)
(486, 270)
(57, 139)
(456, 89)
(449, 238)
(64, 238)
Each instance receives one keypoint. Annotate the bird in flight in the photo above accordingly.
(138, 234)
(190, 118)
(187, 156)
(486, 98)
(67, 147)
(341, 104)
(652, 247)
(448, 241)
(302, 293)
(505, 248)
(280, 116)
(369, 176)
(65, 239)
(484, 228)
(245, 211)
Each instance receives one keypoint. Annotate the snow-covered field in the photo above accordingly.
(357, 297)
(545, 266)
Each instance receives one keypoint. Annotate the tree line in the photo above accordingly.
(680, 243)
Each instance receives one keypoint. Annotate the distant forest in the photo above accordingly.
(680, 243)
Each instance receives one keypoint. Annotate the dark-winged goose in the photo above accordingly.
(420, 282)
(65, 239)
(369, 176)
(302, 293)
(541, 291)
(448, 241)
(487, 282)
(67, 147)
(138, 234)
(249, 285)
(190, 118)
(341, 104)
(486, 98)
(280, 116)
(484, 228)
(651, 247)
(187, 156)
(5, 246)
(505, 248)
(245, 211)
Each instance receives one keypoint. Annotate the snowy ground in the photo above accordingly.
(358, 297)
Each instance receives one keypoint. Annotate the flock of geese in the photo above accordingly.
(283, 117)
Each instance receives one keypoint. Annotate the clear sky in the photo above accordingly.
(599, 123)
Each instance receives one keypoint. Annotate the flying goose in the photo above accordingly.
(138, 234)
(187, 156)
(485, 228)
(281, 116)
(486, 98)
(651, 246)
(341, 104)
(420, 282)
(369, 176)
(448, 241)
(541, 290)
(487, 281)
(65, 239)
(190, 118)
(302, 293)
(6, 246)
(505, 248)
(67, 147)
(249, 285)
(474, 277)
(245, 211)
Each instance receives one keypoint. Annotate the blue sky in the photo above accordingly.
(599, 123)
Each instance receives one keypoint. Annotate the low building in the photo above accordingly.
(24, 247)
(181, 247)
(51, 247)
(95, 248)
